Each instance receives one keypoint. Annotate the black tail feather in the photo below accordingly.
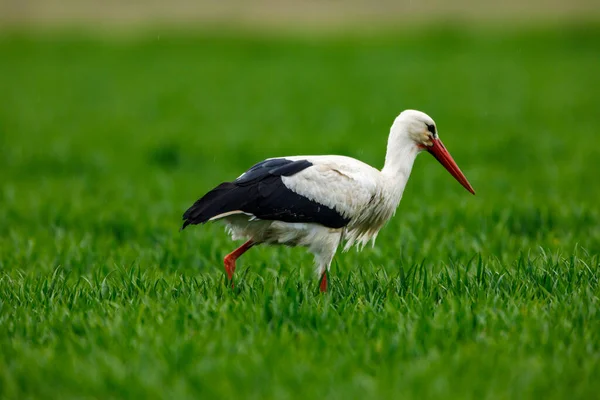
(211, 204)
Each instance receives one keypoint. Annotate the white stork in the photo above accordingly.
(319, 202)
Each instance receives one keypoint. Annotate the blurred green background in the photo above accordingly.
(115, 120)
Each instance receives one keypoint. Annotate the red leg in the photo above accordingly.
(323, 285)
(230, 258)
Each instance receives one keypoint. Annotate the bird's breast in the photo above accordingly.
(367, 223)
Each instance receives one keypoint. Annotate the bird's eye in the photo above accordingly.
(431, 128)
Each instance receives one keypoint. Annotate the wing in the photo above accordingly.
(342, 183)
(261, 193)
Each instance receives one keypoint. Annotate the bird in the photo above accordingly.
(321, 202)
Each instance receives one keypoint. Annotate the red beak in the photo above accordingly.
(441, 154)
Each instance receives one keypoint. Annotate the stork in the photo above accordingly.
(321, 202)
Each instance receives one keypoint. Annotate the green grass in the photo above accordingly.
(104, 143)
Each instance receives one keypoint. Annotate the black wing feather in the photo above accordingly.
(261, 192)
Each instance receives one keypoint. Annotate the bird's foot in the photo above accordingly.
(323, 285)
(230, 258)
(229, 268)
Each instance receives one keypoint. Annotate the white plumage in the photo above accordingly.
(321, 202)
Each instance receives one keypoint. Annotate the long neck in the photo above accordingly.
(400, 156)
(399, 159)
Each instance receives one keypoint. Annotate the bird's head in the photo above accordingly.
(422, 132)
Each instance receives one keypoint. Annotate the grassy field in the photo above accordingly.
(104, 143)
